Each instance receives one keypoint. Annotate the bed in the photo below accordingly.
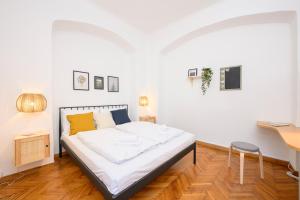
(120, 182)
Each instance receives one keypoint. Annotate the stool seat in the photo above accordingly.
(245, 146)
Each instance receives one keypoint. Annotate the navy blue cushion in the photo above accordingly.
(120, 116)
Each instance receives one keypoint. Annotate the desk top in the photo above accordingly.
(290, 134)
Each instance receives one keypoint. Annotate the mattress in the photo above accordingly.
(118, 177)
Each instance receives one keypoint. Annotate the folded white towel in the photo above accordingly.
(155, 132)
(114, 145)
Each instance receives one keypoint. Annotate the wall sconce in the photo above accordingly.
(143, 101)
(29, 103)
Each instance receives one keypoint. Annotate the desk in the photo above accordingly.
(290, 135)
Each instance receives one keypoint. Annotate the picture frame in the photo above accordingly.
(193, 72)
(98, 83)
(112, 84)
(231, 78)
(81, 80)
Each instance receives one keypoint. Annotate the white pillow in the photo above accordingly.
(64, 121)
(104, 120)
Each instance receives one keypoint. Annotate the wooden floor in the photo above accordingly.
(210, 179)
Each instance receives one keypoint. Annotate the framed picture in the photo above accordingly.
(113, 84)
(230, 78)
(81, 80)
(192, 72)
(98, 83)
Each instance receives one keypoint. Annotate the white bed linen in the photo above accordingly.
(159, 133)
(117, 177)
(114, 145)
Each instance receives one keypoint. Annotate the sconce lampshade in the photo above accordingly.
(31, 103)
(144, 101)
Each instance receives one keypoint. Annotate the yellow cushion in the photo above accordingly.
(81, 122)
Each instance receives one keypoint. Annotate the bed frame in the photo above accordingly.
(135, 187)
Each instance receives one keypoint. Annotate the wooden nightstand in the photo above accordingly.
(148, 118)
(31, 147)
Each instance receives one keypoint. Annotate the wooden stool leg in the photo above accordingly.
(242, 168)
(229, 156)
(261, 165)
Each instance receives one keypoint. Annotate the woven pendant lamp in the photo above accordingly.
(28, 103)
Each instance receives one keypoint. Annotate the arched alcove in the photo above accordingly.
(265, 45)
(261, 18)
(78, 46)
(67, 25)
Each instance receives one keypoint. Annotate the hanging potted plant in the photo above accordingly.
(206, 76)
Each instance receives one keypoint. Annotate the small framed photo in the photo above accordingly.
(192, 72)
(98, 83)
(113, 84)
(81, 80)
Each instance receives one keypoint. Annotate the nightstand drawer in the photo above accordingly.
(31, 148)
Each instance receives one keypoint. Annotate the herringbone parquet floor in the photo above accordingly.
(210, 179)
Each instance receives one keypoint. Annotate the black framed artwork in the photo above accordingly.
(81, 80)
(231, 78)
(98, 83)
(112, 84)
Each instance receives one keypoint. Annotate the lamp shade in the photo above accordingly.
(31, 103)
(143, 101)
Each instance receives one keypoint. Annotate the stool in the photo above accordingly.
(244, 147)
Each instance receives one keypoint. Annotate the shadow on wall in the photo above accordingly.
(67, 25)
(265, 18)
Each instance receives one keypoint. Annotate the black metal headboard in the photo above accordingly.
(109, 107)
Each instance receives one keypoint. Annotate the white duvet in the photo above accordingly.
(118, 177)
(114, 145)
(157, 133)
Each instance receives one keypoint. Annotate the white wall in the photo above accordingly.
(175, 34)
(220, 12)
(85, 48)
(26, 67)
(26, 62)
(220, 117)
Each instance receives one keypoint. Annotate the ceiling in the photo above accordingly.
(151, 15)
